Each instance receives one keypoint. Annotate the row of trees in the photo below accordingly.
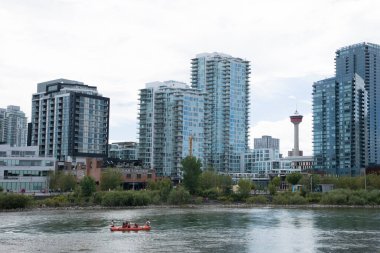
(62, 182)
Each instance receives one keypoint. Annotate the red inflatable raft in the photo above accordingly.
(132, 228)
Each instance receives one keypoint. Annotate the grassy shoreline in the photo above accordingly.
(180, 198)
(192, 206)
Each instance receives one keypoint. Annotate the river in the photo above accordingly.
(210, 229)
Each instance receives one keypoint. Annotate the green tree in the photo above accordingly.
(272, 189)
(276, 181)
(179, 196)
(62, 181)
(208, 180)
(67, 182)
(111, 179)
(163, 186)
(309, 182)
(294, 178)
(191, 167)
(245, 187)
(88, 186)
(225, 184)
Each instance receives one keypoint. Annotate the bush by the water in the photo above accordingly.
(14, 201)
(212, 193)
(126, 198)
(314, 197)
(257, 200)
(289, 198)
(179, 196)
(56, 201)
(349, 197)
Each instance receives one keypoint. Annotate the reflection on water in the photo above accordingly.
(193, 230)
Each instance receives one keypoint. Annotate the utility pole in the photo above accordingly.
(311, 182)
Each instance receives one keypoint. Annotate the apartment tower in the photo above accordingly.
(70, 119)
(225, 80)
(171, 121)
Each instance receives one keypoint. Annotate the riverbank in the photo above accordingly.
(340, 198)
(194, 206)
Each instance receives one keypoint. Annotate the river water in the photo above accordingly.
(193, 230)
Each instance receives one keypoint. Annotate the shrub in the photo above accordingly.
(272, 189)
(289, 199)
(98, 197)
(280, 200)
(141, 198)
(163, 186)
(225, 199)
(198, 200)
(356, 200)
(14, 201)
(297, 200)
(56, 201)
(336, 197)
(245, 187)
(257, 200)
(88, 186)
(128, 198)
(373, 197)
(314, 197)
(179, 196)
(212, 193)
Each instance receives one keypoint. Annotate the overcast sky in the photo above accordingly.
(119, 46)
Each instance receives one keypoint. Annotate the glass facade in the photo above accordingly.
(171, 117)
(361, 59)
(13, 126)
(340, 125)
(324, 126)
(22, 170)
(123, 150)
(225, 80)
(70, 119)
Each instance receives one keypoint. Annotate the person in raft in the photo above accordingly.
(112, 223)
(147, 223)
(126, 224)
(136, 226)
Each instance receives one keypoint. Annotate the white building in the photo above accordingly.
(22, 170)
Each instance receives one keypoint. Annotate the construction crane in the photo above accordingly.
(190, 145)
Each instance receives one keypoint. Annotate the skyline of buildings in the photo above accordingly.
(210, 119)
